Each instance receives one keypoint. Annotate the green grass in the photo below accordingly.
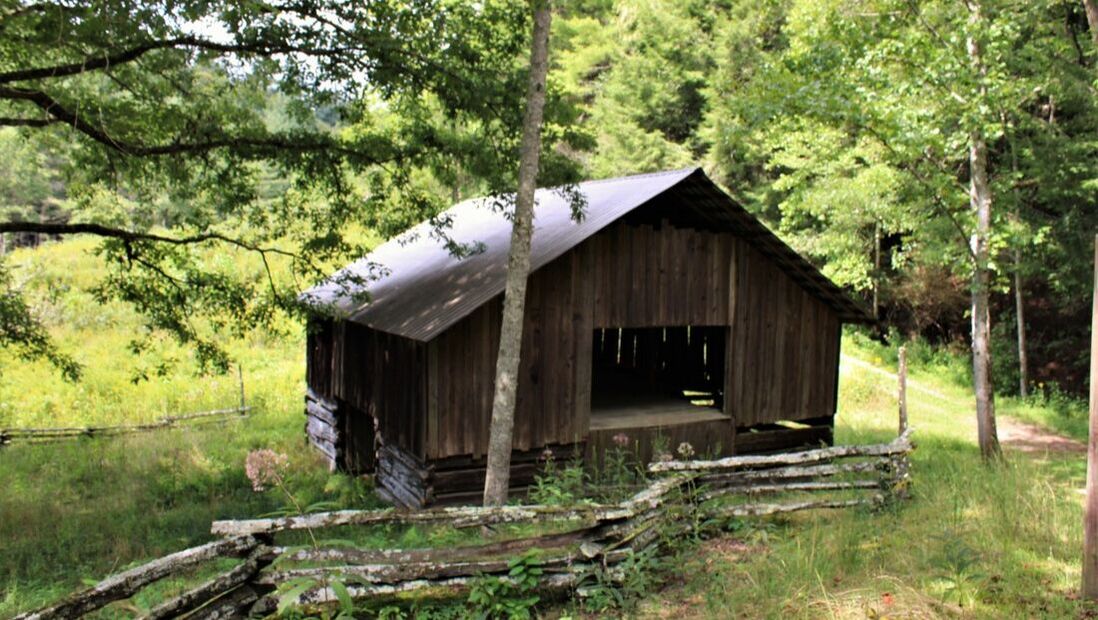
(975, 541)
(79, 510)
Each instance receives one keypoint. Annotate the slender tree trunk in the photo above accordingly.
(1090, 517)
(518, 267)
(980, 200)
(876, 270)
(1020, 314)
(1091, 7)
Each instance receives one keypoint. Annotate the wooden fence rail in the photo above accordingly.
(587, 539)
(49, 435)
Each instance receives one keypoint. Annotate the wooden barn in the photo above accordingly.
(667, 311)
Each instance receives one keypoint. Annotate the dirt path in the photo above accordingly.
(1026, 437)
(1013, 434)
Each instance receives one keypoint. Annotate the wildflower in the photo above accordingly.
(685, 450)
(666, 457)
(264, 467)
(621, 440)
(547, 455)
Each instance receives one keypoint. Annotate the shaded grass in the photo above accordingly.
(1001, 541)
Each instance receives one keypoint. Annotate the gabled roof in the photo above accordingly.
(425, 289)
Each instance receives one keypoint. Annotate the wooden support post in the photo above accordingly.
(240, 377)
(901, 392)
(1090, 518)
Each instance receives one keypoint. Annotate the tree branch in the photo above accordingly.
(27, 122)
(94, 63)
(61, 114)
(49, 228)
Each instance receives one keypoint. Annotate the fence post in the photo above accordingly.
(240, 377)
(902, 388)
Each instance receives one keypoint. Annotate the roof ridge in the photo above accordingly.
(642, 175)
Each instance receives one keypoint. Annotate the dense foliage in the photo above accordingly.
(846, 126)
(310, 129)
(282, 129)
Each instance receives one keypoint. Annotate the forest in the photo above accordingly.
(174, 174)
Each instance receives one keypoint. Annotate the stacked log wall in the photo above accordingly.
(411, 482)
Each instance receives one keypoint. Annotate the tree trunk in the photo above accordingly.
(1092, 19)
(518, 267)
(1090, 516)
(876, 271)
(1020, 314)
(980, 200)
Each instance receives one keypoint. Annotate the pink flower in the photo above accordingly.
(621, 440)
(685, 450)
(547, 454)
(264, 467)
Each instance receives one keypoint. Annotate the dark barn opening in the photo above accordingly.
(652, 379)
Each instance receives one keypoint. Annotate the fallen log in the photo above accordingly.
(409, 571)
(759, 510)
(790, 487)
(791, 474)
(230, 606)
(380, 556)
(451, 587)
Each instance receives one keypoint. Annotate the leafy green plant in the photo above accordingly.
(621, 586)
(959, 566)
(556, 485)
(511, 596)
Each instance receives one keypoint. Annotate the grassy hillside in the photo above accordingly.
(81, 509)
(974, 542)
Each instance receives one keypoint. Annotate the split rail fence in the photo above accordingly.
(585, 539)
(50, 435)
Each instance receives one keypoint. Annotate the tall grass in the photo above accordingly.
(1000, 541)
(79, 510)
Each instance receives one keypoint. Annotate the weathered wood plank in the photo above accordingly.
(459, 516)
(899, 446)
(125, 584)
(201, 595)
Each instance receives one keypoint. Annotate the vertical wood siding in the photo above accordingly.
(784, 346)
(376, 375)
(553, 402)
(647, 276)
(435, 399)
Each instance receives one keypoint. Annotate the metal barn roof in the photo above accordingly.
(424, 289)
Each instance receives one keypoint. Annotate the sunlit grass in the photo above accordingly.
(979, 541)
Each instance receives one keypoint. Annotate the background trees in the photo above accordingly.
(289, 131)
(312, 128)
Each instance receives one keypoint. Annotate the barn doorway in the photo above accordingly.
(657, 377)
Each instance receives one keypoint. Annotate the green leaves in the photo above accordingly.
(286, 129)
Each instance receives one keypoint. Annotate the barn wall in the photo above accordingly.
(553, 401)
(369, 374)
(781, 357)
(783, 352)
(647, 276)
